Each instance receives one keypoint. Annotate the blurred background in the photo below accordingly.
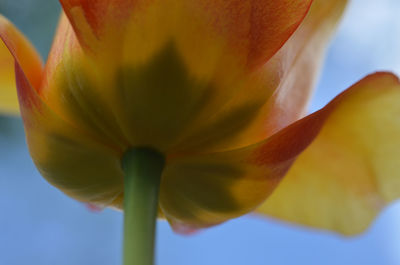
(41, 226)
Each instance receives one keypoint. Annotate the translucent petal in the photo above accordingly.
(351, 170)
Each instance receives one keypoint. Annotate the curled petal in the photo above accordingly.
(351, 169)
(201, 190)
(69, 158)
(14, 47)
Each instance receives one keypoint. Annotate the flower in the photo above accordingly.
(220, 88)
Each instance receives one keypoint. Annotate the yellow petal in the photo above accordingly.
(253, 27)
(71, 159)
(201, 190)
(8, 91)
(296, 67)
(351, 170)
(207, 49)
(68, 93)
(14, 46)
(274, 96)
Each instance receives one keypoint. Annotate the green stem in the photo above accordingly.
(142, 168)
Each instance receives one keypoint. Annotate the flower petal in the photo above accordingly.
(257, 28)
(8, 98)
(95, 21)
(199, 47)
(69, 94)
(351, 170)
(15, 47)
(254, 28)
(274, 96)
(297, 66)
(69, 158)
(201, 190)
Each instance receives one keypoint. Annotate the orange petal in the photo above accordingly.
(68, 92)
(247, 108)
(201, 190)
(351, 170)
(277, 94)
(255, 28)
(213, 41)
(258, 28)
(94, 20)
(297, 66)
(69, 158)
(15, 47)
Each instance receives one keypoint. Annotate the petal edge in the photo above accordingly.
(350, 171)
